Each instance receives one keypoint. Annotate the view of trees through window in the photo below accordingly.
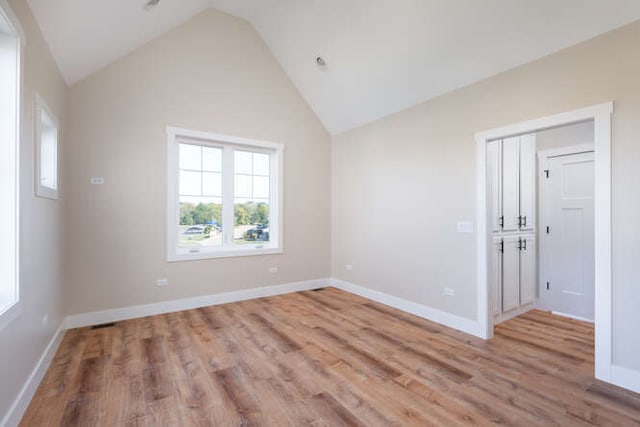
(201, 196)
(202, 222)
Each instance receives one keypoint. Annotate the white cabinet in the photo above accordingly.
(494, 169)
(510, 215)
(528, 269)
(495, 275)
(510, 274)
(513, 275)
(527, 183)
(511, 168)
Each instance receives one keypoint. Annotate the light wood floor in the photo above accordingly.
(325, 358)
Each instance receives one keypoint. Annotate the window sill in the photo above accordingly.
(229, 253)
(10, 314)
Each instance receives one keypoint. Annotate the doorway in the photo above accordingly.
(601, 116)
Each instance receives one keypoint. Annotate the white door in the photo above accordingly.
(568, 250)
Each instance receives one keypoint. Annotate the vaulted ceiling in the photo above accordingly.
(381, 56)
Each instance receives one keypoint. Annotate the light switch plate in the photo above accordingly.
(465, 227)
(97, 180)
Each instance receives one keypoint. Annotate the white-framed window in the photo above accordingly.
(46, 150)
(224, 196)
(10, 64)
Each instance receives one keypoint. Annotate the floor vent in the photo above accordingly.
(104, 325)
(317, 289)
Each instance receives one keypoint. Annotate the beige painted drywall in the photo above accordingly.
(565, 136)
(41, 237)
(213, 74)
(401, 183)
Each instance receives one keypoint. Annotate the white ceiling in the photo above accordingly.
(383, 55)
(86, 35)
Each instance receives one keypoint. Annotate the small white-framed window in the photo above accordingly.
(46, 150)
(224, 196)
(11, 38)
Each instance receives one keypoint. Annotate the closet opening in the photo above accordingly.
(540, 197)
(544, 224)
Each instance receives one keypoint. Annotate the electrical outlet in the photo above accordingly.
(349, 267)
(97, 180)
(273, 270)
(162, 282)
(449, 291)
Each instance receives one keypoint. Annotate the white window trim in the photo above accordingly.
(41, 190)
(176, 135)
(13, 311)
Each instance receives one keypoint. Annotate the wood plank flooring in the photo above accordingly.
(325, 358)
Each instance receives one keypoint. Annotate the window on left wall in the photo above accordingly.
(10, 51)
(46, 169)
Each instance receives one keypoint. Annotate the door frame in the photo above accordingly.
(601, 116)
(543, 159)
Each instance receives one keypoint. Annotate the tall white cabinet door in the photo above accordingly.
(511, 274)
(511, 183)
(495, 276)
(527, 182)
(528, 269)
(494, 177)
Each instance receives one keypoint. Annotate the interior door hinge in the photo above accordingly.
(501, 246)
(546, 173)
(501, 221)
(547, 285)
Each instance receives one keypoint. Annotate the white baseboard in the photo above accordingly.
(135, 311)
(571, 316)
(625, 378)
(20, 405)
(468, 326)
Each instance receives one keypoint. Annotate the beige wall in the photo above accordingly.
(212, 74)
(401, 183)
(41, 234)
(565, 136)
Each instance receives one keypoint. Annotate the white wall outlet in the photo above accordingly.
(465, 227)
(97, 180)
(273, 270)
(162, 282)
(349, 267)
(449, 291)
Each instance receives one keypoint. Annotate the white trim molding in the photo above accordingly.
(463, 324)
(601, 116)
(625, 378)
(9, 15)
(118, 314)
(21, 403)
(135, 311)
